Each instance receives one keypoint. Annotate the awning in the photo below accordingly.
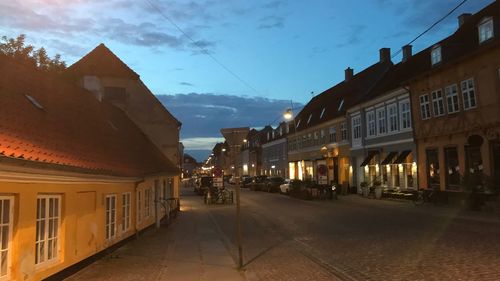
(368, 158)
(402, 157)
(388, 159)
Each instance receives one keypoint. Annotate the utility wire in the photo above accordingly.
(203, 50)
(432, 26)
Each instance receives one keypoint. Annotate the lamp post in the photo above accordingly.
(235, 137)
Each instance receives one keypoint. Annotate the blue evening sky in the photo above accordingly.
(282, 49)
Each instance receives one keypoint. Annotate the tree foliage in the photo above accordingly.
(17, 49)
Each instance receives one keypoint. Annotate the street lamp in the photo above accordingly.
(288, 114)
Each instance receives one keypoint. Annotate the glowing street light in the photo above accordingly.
(288, 114)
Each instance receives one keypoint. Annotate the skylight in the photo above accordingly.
(34, 101)
(298, 124)
(322, 112)
(309, 119)
(340, 105)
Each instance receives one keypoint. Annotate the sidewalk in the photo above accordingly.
(189, 249)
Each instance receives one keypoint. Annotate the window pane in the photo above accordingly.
(5, 237)
(3, 265)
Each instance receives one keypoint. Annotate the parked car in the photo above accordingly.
(203, 184)
(246, 181)
(272, 184)
(285, 187)
(257, 183)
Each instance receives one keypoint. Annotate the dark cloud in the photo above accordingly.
(186, 84)
(202, 115)
(270, 22)
(274, 5)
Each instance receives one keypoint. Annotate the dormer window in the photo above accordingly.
(298, 124)
(322, 112)
(436, 55)
(309, 119)
(485, 30)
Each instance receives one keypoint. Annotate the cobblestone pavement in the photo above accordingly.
(361, 239)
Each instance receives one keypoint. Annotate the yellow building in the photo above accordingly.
(76, 174)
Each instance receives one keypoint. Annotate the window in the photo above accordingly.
(451, 93)
(322, 133)
(139, 206)
(147, 203)
(356, 127)
(343, 131)
(468, 94)
(436, 55)
(382, 127)
(6, 234)
(125, 211)
(437, 103)
(316, 135)
(370, 120)
(485, 30)
(309, 119)
(405, 114)
(298, 124)
(425, 110)
(110, 216)
(48, 216)
(393, 117)
(333, 134)
(322, 112)
(341, 104)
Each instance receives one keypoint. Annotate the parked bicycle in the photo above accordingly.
(428, 196)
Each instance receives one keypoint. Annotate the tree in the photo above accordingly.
(17, 49)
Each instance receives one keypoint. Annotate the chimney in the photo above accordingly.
(406, 52)
(348, 73)
(385, 54)
(463, 18)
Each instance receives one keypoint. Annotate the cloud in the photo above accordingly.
(270, 22)
(201, 143)
(203, 115)
(186, 84)
(353, 35)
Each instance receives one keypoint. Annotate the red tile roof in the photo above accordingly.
(72, 129)
(102, 62)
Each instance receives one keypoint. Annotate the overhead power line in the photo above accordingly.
(202, 49)
(432, 26)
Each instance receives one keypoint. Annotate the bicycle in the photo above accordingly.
(426, 196)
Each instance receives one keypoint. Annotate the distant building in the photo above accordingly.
(275, 152)
(189, 166)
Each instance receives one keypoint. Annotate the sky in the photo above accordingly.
(221, 63)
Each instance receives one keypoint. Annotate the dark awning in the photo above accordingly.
(368, 158)
(402, 156)
(389, 158)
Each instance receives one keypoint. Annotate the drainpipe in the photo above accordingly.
(414, 138)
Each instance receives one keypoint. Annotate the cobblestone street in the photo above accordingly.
(288, 239)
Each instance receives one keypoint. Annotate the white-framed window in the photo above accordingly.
(6, 215)
(48, 217)
(436, 55)
(370, 120)
(147, 202)
(451, 93)
(485, 29)
(356, 127)
(333, 134)
(139, 206)
(437, 103)
(425, 109)
(343, 131)
(404, 106)
(322, 112)
(322, 133)
(126, 221)
(316, 135)
(468, 94)
(110, 216)
(392, 114)
(382, 124)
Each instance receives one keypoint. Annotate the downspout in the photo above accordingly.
(136, 186)
(413, 135)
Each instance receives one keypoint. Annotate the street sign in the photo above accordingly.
(218, 182)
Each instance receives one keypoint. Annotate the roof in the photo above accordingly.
(101, 61)
(462, 43)
(337, 99)
(70, 128)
